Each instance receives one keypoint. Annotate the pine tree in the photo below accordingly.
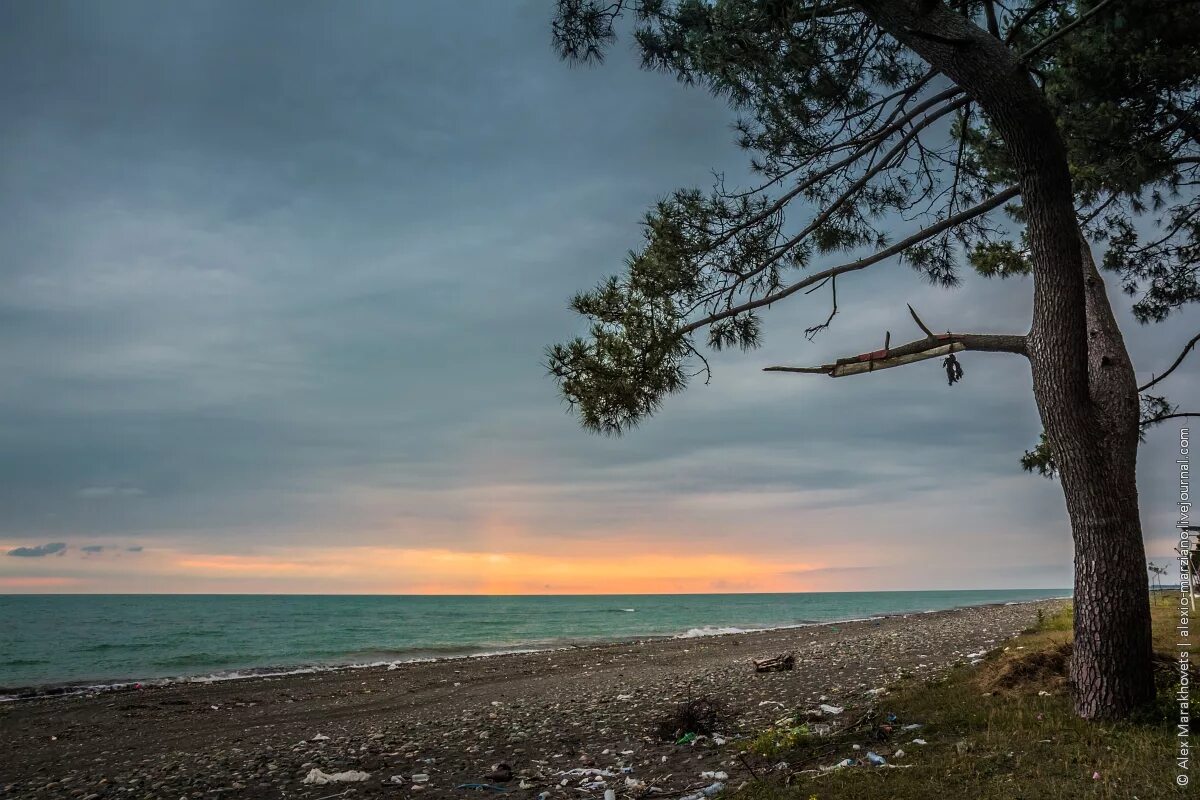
(1021, 134)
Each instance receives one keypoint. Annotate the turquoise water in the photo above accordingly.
(60, 639)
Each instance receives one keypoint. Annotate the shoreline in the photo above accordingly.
(425, 729)
(86, 688)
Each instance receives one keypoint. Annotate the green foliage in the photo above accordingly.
(1124, 89)
(631, 361)
(1163, 270)
(1001, 259)
(777, 740)
(850, 132)
(1153, 409)
(1017, 743)
(1040, 459)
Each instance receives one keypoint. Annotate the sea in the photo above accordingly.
(91, 641)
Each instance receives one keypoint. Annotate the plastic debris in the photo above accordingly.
(912, 726)
(875, 759)
(609, 794)
(420, 777)
(397, 779)
(320, 737)
(715, 776)
(845, 762)
(832, 710)
(898, 754)
(350, 776)
(919, 741)
(584, 772)
(687, 738)
(708, 791)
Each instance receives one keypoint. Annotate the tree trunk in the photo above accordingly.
(1111, 669)
(1083, 380)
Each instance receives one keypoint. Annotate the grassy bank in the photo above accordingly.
(1000, 729)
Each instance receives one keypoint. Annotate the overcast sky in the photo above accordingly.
(275, 284)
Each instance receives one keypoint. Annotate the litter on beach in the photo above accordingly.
(584, 772)
(831, 710)
(350, 776)
(708, 791)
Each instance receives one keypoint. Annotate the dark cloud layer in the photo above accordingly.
(279, 269)
(39, 551)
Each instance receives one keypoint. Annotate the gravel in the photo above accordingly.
(565, 723)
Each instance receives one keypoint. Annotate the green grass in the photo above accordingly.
(990, 735)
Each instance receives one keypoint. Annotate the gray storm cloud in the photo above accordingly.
(249, 296)
(39, 551)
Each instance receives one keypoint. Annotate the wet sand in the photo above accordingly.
(543, 714)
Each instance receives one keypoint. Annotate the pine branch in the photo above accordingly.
(1155, 420)
(990, 204)
(1064, 30)
(1186, 349)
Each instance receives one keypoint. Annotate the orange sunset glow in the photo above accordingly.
(443, 571)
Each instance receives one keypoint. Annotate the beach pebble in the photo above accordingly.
(552, 712)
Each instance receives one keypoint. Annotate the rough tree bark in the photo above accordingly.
(1083, 379)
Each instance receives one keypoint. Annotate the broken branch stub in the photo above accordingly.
(934, 347)
(872, 364)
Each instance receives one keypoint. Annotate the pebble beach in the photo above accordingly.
(572, 722)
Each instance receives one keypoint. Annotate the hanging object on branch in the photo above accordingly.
(954, 370)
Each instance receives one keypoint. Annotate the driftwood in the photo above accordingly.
(779, 663)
